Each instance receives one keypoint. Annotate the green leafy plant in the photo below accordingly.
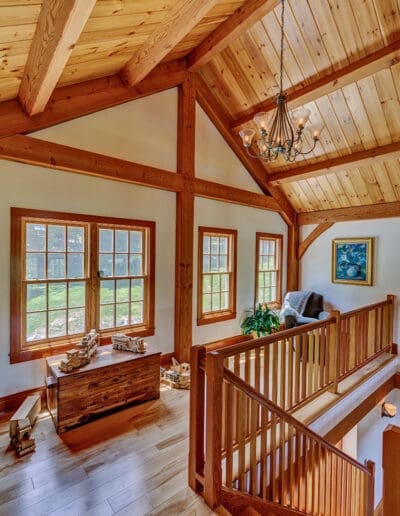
(262, 321)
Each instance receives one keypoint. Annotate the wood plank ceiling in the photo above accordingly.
(323, 38)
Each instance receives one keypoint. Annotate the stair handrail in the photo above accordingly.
(251, 344)
(272, 407)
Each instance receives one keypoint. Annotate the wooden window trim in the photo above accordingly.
(279, 240)
(224, 315)
(19, 353)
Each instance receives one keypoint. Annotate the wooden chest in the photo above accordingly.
(114, 379)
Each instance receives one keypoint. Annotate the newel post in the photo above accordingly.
(390, 301)
(213, 470)
(334, 351)
(370, 465)
(197, 420)
(391, 470)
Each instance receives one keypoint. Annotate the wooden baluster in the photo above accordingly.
(328, 486)
(317, 364)
(390, 300)
(196, 420)
(213, 474)
(282, 380)
(242, 441)
(266, 371)
(282, 461)
(291, 477)
(310, 361)
(334, 351)
(257, 369)
(298, 480)
(290, 372)
(253, 448)
(247, 379)
(305, 472)
(304, 360)
(297, 370)
(370, 490)
(236, 370)
(274, 372)
(273, 458)
(230, 402)
(263, 463)
(322, 357)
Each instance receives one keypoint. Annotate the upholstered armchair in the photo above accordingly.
(302, 307)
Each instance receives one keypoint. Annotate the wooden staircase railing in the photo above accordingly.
(285, 463)
(277, 374)
(364, 333)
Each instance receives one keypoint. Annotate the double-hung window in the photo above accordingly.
(71, 273)
(216, 275)
(268, 269)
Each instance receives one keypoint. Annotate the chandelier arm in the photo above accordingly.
(310, 150)
(250, 154)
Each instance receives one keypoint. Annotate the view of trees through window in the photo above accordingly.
(55, 276)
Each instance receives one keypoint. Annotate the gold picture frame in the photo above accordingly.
(352, 261)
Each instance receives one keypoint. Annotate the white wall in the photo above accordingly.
(143, 131)
(247, 221)
(25, 186)
(316, 266)
(214, 159)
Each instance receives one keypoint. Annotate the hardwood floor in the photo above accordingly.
(131, 463)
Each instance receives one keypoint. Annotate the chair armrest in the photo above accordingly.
(290, 321)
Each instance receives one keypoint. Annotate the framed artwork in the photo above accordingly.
(352, 261)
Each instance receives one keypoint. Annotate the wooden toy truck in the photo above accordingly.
(21, 425)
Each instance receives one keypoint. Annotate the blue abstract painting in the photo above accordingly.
(352, 261)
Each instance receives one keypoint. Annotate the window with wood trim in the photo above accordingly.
(71, 273)
(216, 299)
(268, 269)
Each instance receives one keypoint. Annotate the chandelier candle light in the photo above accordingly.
(280, 137)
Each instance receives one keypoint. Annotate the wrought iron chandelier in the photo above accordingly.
(283, 136)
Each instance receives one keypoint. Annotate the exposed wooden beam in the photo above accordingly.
(355, 160)
(315, 233)
(356, 71)
(179, 21)
(371, 211)
(185, 221)
(220, 192)
(58, 29)
(73, 101)
(26, 149)
(242, 19)
(292, 282)
(253, 166)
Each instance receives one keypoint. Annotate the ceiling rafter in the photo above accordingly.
(254, 167)
(241, 20)
(69, 102)
(58, 29)
(370, 211)
(180, 20)
(372, 63)
(358, 159)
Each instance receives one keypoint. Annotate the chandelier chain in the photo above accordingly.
(280, 136)
(282, 41)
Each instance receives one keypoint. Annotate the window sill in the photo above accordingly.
(47, 350)
(214, 318)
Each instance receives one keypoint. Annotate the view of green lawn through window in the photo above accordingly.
(215, 273)
(55, 285)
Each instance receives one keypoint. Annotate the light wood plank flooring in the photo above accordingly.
(131, 463)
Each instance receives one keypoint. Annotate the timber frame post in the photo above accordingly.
(185, 221)
(292, 272)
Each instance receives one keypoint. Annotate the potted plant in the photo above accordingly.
(261, 322)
